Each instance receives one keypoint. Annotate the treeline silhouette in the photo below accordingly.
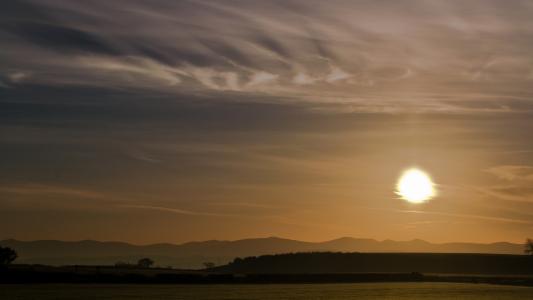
(141, 263)
(317, 267)
(337, 262)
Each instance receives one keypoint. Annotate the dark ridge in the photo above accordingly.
(336, 262)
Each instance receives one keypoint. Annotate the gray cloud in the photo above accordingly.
(59, 38)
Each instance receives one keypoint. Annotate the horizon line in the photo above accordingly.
(260, 238)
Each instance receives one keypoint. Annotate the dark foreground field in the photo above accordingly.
(23, 274)
(360, 291)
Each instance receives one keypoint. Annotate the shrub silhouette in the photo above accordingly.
(7, 256)
(145, 262)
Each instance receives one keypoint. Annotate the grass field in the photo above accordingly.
(411, 291)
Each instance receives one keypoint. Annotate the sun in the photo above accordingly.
(415, 186)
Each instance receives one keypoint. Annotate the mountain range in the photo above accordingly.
(194, 254)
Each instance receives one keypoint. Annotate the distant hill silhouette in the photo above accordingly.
(193, 254)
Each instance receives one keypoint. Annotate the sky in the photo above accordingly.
(173, 121)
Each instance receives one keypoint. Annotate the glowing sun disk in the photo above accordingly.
(415, 186)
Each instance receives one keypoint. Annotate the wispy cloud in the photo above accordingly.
(512, 172)
(298, 50)
(469, 216)
(242, 204)
(40, 189)
(179, 211)
(455, 216)
(279, 219)
(516, 183)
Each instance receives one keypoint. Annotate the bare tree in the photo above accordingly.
(529, 247)
(7, 256)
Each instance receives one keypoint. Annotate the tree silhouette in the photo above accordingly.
(145, 262)
(209, 265)
(529, 247)
(7, 256)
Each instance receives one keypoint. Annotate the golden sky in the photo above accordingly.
(173, 121)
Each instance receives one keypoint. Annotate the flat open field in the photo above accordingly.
(362, 291)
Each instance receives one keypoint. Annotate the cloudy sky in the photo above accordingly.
(171, 121)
